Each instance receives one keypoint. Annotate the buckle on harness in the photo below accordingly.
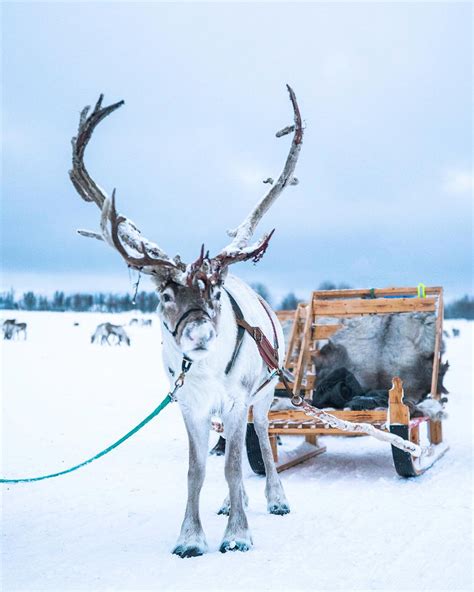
(257, 334)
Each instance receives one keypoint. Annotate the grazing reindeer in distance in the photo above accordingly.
(140, 322)
(12, 329)
(104, 331)
(201, 309)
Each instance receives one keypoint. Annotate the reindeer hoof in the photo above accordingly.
(224, 510)
(279, 509)
(183, 551)
(235, 545)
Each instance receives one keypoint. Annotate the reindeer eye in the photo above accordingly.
(166, 298)
(218, 296)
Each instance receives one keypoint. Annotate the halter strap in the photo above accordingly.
(182, 318)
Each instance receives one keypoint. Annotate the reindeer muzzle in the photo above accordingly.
(196, 335)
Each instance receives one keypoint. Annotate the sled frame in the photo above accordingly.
(310, 332)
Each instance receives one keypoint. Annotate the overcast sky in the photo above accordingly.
(385, 193)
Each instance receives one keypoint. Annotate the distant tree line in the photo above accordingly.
(103, 302)
(79, 302)
(460, 309)
(148, 301)
(290, 301)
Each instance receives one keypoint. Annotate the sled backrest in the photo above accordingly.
(326, 305)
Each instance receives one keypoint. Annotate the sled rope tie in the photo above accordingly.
(350, 426)
(170, 397)
(421, 290)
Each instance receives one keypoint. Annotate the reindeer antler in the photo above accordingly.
(238, 249)
(82, 181)
(123, 234)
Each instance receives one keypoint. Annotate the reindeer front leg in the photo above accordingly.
(192, 541)
(237, 535)
(276, 499)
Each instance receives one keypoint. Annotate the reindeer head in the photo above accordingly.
(189, 294)
(191, 315)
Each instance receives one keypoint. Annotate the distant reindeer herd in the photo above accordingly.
(104, 334)
(109, 334)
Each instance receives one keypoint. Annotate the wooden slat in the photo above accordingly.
(415, 434)
(303, 356)
(294, 343)
(374, 306)
(274, 446)
(325, 331)
(399, 412)
(299, 459)
(378, 416)
(285, 315)
(435, 429)
(320, 431)
(378, 292)
(437, 349)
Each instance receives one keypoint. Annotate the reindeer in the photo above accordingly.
(105, 330)
(141, 322)
(99, 335)
(12, 329)
(200, 306)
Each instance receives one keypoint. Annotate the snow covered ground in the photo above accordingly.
(354, 524)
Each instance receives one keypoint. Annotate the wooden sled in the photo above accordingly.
(309, 334)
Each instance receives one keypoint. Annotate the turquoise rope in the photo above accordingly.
(147, 419)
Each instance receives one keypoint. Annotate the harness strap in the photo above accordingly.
(268, 353)
(267, 310)
(239, 315)
(266, 350)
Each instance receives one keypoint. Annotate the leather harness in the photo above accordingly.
(267, 351)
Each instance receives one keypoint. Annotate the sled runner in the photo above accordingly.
(313, 325)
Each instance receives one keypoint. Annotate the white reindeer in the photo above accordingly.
(200, 305)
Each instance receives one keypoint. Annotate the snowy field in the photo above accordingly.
(354, 524)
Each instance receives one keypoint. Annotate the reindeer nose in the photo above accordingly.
(200, 334)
